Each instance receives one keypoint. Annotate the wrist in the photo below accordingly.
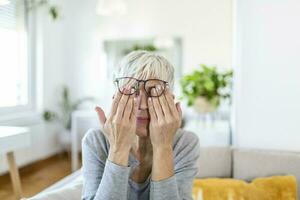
(162, 153)
(157, 149)
(118, 156)
(163, 164)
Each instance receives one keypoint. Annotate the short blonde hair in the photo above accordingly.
(144, 65)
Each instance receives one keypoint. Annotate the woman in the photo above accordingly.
(140, 151)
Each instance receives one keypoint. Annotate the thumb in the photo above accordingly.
(101, 115)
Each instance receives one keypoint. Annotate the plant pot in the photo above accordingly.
(203, 106)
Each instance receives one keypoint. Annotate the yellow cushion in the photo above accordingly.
(271, 188)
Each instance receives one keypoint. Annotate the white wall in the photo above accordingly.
(50, 77)
(69, 51)
(204, 25)
(267, 70)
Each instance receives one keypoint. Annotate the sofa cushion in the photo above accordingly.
(249, 164)
(271, 188)
(214, 162)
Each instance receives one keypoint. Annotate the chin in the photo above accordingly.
(142, 130)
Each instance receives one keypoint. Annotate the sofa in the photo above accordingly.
(220, 162)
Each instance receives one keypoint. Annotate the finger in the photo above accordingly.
(156, 105)
(101, 115)
(115, 103)
(128, 108)
(121, 106)
(170, 99)
(151, 109)
(136, 102)
(164, 104)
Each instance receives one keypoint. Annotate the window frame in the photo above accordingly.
(30, 43)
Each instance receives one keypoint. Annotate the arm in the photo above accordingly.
(178, 186)
(107, 178)
(102, 179)
(166, 118)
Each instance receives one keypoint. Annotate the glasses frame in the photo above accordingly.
(138, 85)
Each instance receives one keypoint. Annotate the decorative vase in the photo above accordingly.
(203, 106)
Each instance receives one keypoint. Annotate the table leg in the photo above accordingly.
(14, 175)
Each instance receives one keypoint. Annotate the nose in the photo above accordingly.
(143, 103)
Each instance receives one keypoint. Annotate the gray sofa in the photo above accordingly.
(222, 162)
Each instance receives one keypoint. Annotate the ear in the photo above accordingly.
(178, 107)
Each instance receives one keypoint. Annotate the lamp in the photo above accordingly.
(4, 2)
(111, 7)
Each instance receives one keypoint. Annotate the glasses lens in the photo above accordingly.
(127, 85)
(155, 88)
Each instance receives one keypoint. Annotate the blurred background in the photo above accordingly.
(237, 75)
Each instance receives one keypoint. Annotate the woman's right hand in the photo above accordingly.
(120, 126)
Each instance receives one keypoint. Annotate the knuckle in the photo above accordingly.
(116, 120)
(161, 122)
(121, 103)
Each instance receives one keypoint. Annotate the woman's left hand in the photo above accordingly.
(165, 119)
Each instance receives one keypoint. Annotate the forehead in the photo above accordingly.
(149, 74)
(145, 78)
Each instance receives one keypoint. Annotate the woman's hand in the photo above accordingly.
(165, 119)
(120, 126)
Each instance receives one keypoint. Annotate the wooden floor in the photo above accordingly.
(37, 176)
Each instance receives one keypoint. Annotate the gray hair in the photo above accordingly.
(144, 65)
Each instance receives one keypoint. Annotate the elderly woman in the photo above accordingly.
(140, 151)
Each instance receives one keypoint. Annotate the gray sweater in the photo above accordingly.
(105, 180)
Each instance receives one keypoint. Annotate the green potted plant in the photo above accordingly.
(204, 88)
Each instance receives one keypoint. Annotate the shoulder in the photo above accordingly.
(95, 141)
(186, 145)
(185, 138)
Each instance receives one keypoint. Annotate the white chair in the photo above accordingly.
(82, 120)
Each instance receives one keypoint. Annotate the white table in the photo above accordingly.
(11, 139)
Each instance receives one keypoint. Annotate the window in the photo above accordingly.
(15, 74)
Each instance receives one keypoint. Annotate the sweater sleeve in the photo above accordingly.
(102, 179)
(180, 185)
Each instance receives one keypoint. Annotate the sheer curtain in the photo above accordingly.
(14, 69)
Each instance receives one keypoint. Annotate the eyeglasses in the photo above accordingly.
(130, 85)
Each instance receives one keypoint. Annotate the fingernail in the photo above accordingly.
(158, 87)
